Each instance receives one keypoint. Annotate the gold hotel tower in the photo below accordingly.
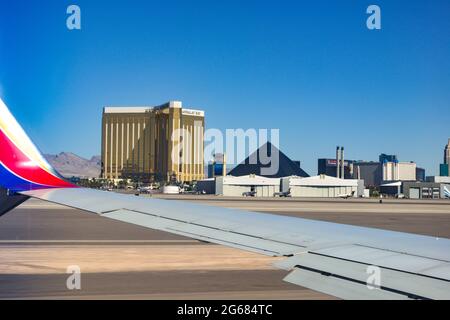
(148, 144)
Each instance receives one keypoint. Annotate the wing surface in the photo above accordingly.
(332, 258)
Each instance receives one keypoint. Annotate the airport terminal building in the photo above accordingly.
(147, 144)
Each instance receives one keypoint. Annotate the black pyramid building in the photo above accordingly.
(286, 167)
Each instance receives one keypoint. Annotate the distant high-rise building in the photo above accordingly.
(369, 171)
(162, 143)
(447, 153)
(420, 174)
(337, 167)
(387, 169)
(399, 171)
(444, 168)
(329, 167)
(393, 170)
(218, 166)
(387, 158)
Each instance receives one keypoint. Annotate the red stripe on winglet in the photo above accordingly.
(16, 161)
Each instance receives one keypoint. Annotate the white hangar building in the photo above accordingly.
(322, 186)
(238, 186)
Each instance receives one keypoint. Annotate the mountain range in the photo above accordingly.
(70, 165)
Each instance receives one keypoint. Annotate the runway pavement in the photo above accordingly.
(38, 241)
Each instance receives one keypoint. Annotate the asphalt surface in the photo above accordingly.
(38, 241)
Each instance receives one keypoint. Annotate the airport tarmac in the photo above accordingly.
(38, 241)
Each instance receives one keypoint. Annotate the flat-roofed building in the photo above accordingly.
(153, 143)
(369, 171)
(399, 171)
(426, 190)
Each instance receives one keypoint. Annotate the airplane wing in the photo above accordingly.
(328, 257)
(346, 261)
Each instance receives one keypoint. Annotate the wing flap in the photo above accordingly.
(398, 282)
(338, 287)
(389, 259)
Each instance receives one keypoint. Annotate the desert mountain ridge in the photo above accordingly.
(69, 165)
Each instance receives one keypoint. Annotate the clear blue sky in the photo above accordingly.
(312, 69)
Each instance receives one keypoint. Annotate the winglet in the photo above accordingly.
(22, 166)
